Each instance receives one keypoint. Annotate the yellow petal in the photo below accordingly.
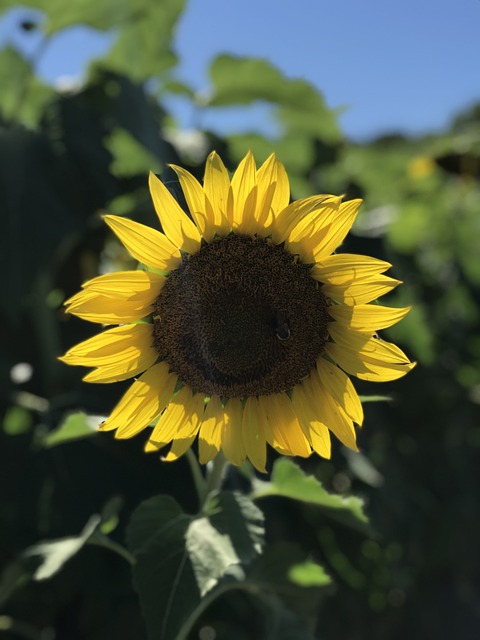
(216, 185)
(194, 415)
(366, 357)
(340, 226)
(178, 411)
(97, 308)
(264, 211)
(142, 402)
(345, 268)
(297, 211)
(141, 286)
(150, 446)
(187, 432)
(273, 193)
(195, 197)
(315, 430)
(314, 222)
(175, 223)
(241, 207)
(340, 387)
(361, 291)
(253, 436)
(281, 198)
(107, 347)
(135, 363)
(284, 424)
(179, 447)
(232, 437)
(118, 354)
(334, 416)
(147, 245)
(210, 435)
(367, 317)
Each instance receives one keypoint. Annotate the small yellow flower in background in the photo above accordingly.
(420, 167)
(243, 323)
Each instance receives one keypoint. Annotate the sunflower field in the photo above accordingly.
(192, 443)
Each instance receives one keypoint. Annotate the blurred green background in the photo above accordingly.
(68, 153)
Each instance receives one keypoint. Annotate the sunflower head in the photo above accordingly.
(242, 326)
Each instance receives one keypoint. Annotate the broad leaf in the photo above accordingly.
(289, 481)
(143, 48)
(244, 80)
(180, 557)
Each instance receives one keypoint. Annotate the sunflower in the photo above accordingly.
(242, 326)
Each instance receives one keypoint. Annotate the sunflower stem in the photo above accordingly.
(215, 475)
(198, 479)
(100, 540)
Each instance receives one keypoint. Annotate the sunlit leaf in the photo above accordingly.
(17, 420)
(143, 48)
(55, 553)
(285, 572)
(308, 574)
(74, 427)
(244, 80)
(289, 481)
(130, 157)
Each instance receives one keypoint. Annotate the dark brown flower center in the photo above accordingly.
(241, 317)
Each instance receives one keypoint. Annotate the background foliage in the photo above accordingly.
(66, 155)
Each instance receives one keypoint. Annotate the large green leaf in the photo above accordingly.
(180, 558)
(142, 30)
(143, 47)
(244, 80)
(289, 481)
(99, 14)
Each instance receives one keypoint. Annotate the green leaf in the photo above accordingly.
(284, 572)
(180, 558)
(71, 181)
(74, 426)
(376, 398)
(54, 554)
(244, 80)
(143, 47)
(296, 152)
(247, 532)
(22, 96)
(130, 157)
(17, 420)
(289, 481)
(309, 574)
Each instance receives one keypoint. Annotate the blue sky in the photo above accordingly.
(404, 66)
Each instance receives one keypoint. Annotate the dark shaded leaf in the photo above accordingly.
(180, 558)
(286, 575)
